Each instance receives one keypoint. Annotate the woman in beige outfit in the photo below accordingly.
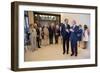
(46, 35)
(33, 35)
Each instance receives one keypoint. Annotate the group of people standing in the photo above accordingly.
(74, 34)
(46, 34)
(32, 37)
(41, 35)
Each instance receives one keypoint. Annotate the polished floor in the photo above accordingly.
(54, 52)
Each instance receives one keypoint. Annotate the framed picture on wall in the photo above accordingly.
(52, 36)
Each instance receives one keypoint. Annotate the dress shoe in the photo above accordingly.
(39, 47)
(67, 52)
(63, 52)
(75, 54)
(72, 54)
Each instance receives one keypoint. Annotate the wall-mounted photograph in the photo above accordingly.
(56, 36)
(51, 36)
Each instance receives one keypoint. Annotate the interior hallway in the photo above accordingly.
(54, 52)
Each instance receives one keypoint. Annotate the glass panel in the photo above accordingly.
(26, 28)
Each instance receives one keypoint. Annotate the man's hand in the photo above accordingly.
(67, 30)
(71, 30)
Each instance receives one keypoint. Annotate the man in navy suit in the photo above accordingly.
(74, 38)
(65, 32)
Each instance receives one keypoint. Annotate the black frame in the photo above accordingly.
(14, 35)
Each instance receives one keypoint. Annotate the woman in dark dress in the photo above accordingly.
(80, 33)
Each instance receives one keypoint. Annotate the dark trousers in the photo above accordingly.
(38, 42)
(50, 39)
(74, 47)
(65, 44)
(56, 39)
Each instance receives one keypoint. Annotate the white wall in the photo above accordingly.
(80, 18)
(5, 38)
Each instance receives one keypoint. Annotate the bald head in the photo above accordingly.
(74, 22)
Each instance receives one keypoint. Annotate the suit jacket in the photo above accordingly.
(64, 33)
(73, 35)
(38, 32)
(80, 33)
(57, 32)
(51, 31)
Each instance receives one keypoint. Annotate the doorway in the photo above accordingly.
(46, 18)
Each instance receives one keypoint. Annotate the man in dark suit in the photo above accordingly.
(51, 33)
(38, 35)
(57, 33)
(74, 38)
(65, 32)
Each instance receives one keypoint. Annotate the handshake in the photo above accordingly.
(70, 30)
(67, 30)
